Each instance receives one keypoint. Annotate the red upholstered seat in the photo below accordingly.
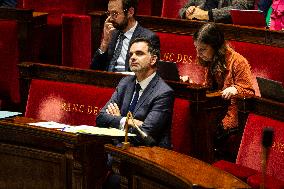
(9, 83)
(238, 170)
(180, 49)
(180, 132)
(76, 40)
(171, 8)
(265, 61)
(249, 154)
(51, 47)
(270, 182)
(69, 103)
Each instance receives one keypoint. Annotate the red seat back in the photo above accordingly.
(249, 154)
(144, 7)
(180, 133)
(76, 40)
(9, 74)
(265, 61)
(180, 49)
(68, 103)
(171, 8)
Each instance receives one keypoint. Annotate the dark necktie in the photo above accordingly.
(116, 53)
(135, 98)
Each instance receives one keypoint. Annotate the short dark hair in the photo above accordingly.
(127, 4)
(152, 49)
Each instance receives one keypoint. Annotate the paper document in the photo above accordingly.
(5, 114)
(50, 124)
(96, 130)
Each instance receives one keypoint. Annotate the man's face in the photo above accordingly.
(140, 59)
(117, 14)
(204, 51)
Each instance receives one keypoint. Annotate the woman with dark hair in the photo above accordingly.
(226, 71)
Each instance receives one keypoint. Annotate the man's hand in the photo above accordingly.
(108, 29)
(189, 12)
(229, 92)
(113, 109)
(136, 121)
(199, 14)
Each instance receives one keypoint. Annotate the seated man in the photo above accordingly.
(120, 29)
(146, 95)
(213, 10)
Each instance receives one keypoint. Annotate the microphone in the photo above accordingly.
(149, 141)
(267, 139)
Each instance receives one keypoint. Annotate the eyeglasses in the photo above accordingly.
(114, 14)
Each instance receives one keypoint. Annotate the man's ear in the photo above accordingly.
(153, 60)
(131, 11)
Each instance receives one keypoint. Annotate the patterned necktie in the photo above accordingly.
(135, 98)
(116, 53)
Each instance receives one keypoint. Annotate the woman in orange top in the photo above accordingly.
(226, 70)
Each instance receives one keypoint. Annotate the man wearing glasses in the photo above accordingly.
(120, 29)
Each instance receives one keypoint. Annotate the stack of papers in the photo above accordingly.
(5, 114)
(82, 129)
(96, 130)
(50, 125)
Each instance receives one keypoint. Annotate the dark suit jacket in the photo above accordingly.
(154, 108)
(102, 61)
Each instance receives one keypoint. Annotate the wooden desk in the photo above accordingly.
(30, 24)
(261, 106)
(34, 157)
(149, 168)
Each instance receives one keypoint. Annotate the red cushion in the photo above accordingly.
(235, 169)
(180, 49)
(249, 154)
(266, 61)
(171, 8)
(69, 103)
(144, 7)
(76, 40)
(255, 181)
(9, 83)
(180, 126)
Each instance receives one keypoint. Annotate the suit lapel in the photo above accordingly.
(147, 92)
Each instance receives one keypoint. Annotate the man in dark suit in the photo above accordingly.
(153, 111)
(120, 29)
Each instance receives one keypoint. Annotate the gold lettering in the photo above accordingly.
(170, 57)
(179, 58)
(75, 107)
(96, 110)
(278, 146)
(66, 107)
(81, 108)
(89, 109)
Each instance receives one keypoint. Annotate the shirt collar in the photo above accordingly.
(130, 32)
(146, 81)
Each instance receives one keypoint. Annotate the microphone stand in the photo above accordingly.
(126, 144)
(267, 138)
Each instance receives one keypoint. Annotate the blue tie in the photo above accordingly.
(116, 53)
(135, 98)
